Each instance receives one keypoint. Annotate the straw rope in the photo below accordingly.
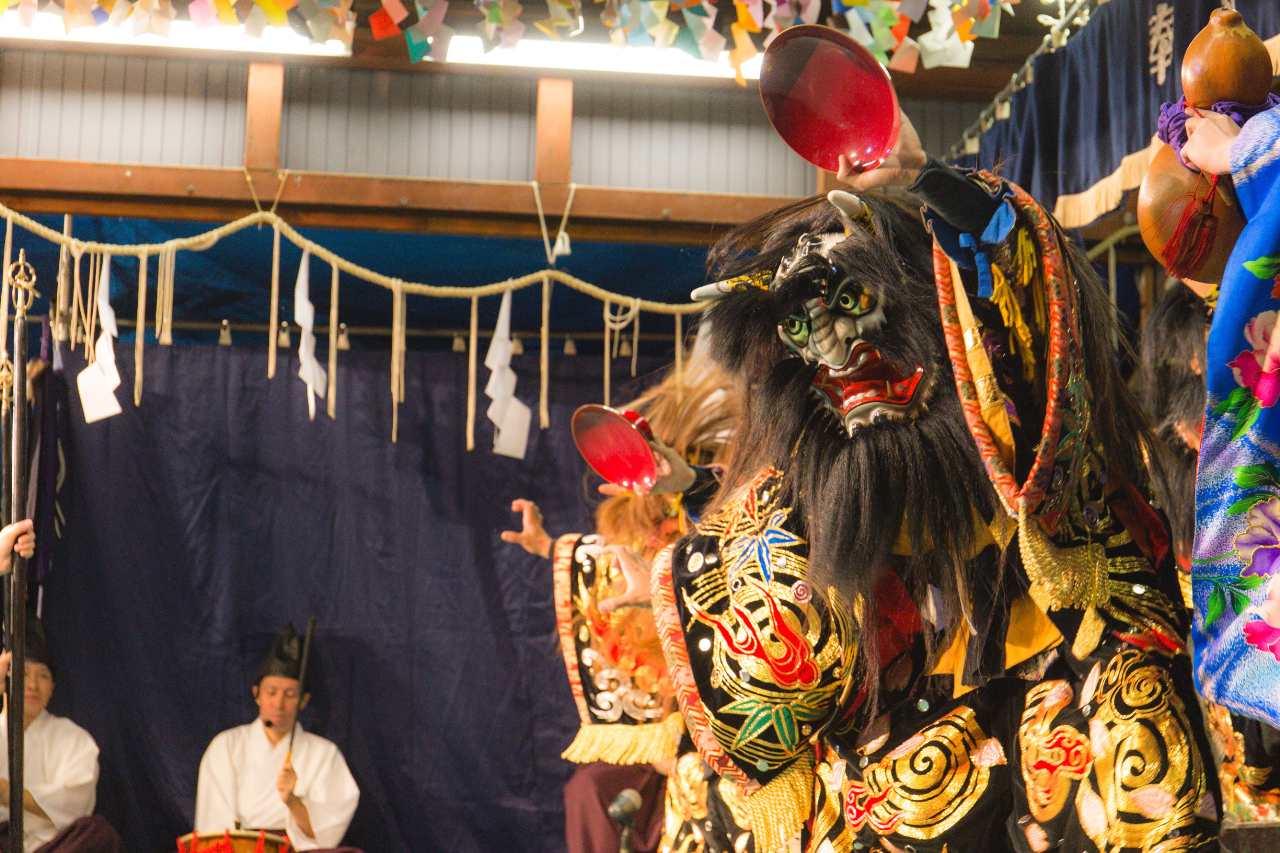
(333, 345)
(544, 360)
(83, 316)
(140, 333)
(202, 242)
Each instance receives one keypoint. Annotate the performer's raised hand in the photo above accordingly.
(286, 781)
(1209, 138)
(899, 169)
(20, 537)
(674, 473)
(531, 537)
(635, 571)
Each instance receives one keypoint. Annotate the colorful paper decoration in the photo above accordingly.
(880, 25)
(383, 25)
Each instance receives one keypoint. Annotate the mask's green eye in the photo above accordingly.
(797, 329)
(852, 299)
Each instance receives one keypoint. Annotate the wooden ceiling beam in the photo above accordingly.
(397, 204)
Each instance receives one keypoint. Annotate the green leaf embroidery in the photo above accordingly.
(1261, 476)
(1248, 502)
(1267, 266)
(1248, 415)
(759, 720)
(1234, 402)
(1217, 604)
(1249, 582)
(784, 723)
(1239, 601)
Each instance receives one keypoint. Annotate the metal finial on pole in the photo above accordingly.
(22, 278)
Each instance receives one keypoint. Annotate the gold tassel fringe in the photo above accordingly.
(624, 744)
(1011, 312)
(780, 809)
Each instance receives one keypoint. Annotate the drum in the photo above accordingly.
(233, 841)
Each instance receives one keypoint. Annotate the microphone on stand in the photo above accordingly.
(623, 809)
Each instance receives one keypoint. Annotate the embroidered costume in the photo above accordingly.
(935, 611)
(615, 664)
(1237, 630)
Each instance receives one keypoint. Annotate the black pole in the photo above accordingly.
(22, 280)
(6, 497)
(6, 515)
(302, 678)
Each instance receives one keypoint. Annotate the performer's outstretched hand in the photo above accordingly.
(531, 537)
(898, 170)
(635, 571)
(20, 537)
(1209, 138)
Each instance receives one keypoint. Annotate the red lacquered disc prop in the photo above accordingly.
(615, 444)
(826, 95)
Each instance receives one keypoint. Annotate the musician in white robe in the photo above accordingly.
(250, 780)
(60, 766)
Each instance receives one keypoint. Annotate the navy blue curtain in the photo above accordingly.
(1096, 100)
(204, 519)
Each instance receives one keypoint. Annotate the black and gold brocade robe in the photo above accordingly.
(1058, 714)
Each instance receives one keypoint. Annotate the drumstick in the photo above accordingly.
(302, 683)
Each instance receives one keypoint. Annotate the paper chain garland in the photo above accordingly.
(90, 310)
(688, 25)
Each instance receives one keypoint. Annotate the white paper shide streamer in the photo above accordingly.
(304, 314)
(511, 418)
(98, 382)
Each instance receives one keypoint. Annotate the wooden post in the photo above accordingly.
(262, 121)
(553, 161)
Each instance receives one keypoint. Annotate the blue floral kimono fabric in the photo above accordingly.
(1236, 560)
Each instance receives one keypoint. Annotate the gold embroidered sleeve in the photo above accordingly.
(615, 664)
(757, 659)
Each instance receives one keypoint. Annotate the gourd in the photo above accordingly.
(1190, 221)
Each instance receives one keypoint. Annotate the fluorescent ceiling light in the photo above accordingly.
(47, 26)
(581, 56)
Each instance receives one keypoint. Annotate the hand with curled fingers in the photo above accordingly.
(531, 536)
(1209, 139)
(635, 571)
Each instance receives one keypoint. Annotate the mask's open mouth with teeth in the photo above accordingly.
(869, 389)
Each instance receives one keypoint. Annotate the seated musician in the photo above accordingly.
(60, 766)
(249, 779)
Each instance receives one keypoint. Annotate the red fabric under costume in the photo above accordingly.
(590, 791)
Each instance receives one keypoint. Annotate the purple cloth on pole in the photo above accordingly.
(1172, 125)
